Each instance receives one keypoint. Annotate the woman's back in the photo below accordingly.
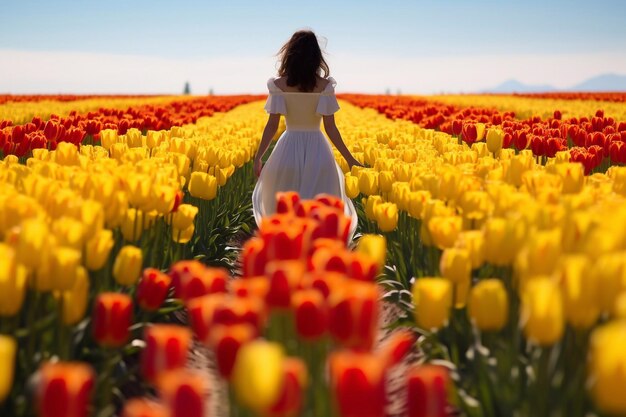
(302, 110)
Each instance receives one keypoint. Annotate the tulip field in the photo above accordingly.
(487, 276)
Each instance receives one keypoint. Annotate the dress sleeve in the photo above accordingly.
(328, 102)
(275, 100)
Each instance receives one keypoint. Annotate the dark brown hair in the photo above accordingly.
(301, 60)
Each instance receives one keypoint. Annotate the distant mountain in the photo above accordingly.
(514, 86)
(603, 82)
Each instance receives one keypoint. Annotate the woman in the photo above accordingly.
(302, 159)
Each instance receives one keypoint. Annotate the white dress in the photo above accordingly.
(302, 160)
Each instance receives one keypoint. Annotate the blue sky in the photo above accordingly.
(392, 43)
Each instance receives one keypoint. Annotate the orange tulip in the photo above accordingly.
(166, 349)
(64, 389)
(428, 387)
(112, 315)
(353, 316)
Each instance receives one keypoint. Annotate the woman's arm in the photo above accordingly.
(268, 133)
(335, 138)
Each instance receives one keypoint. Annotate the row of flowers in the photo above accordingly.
(597, 141)
(296, 331)
(33, 98)
(84, 128)
(517, 268)
(81, 222)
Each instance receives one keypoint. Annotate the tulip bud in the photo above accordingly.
(290, 398)
(258, 374)
(192, 279)
(152, 289)
(374, 247)
(386, 216)
(32, 241)
(357, 381)
(184, 216)
(98, 249)
(253, 257)
(203, 185)
(432, 298)
(579, 291)
(417, 203)
(286, 201)
(445, 230)
(12, 282)
(495, 139)
(127, 266)
(474, 242)
(428, 387)
(455, 265)
(166, 349)
(542, 311)
(58, 272)
(311, 314)
(488, 305)
(353, 314)
(142, 407)
(352, 186)
(284, 276)
(112, 314)
(368, 182)
(8, 349)
(64, 389)
(183, 391)
(75, 300)
(607, 367)
(226, 340)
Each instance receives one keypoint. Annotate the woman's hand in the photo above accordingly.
(353, 162)
(258, 165)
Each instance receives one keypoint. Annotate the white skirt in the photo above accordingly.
(302, 161)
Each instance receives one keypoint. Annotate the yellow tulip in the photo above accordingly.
(352, 186)
(127, 266)
(203, 185)
(58, 270)
(31, 242)
(433, 299)
(607, 367)
(133, 225)
(92, 217)
(543, 251)
(183, 236)
(573, 176)
(495, 138)
(12, 282)
(66, 154)
(455, 265)
(370, 204)
(445, 230)
(503, 240)
(474, 242)
(609, 277)
(385, 181)
(8, 350)
(258, 373)
(184, 216)
(69, 232)
(375, 247)
(448, 183)
(386, 216)
(579, 291)
(368, 182)
(98, 249)
(417, 203)
(619, 309)
(542, 312)
(76, 299)
(488, 305)
(518, 166)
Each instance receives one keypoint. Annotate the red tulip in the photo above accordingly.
(152, 289)
(358, 383)
(284, 277)
(183, 391)
(310, 313)
(225, 340)
(142, 407)
(353, 317)
(291, 396)
(192, 279)
(112, 314)
(286, 201)
(64, 389)
(253, 257)
(427, 387)
(166, 349)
